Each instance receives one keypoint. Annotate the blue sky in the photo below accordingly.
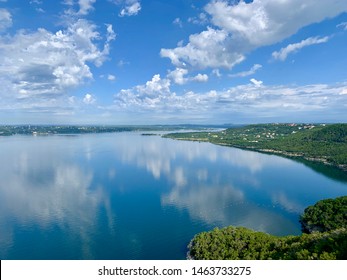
(170, 62)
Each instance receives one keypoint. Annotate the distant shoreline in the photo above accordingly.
(9, 130)
(326, 144)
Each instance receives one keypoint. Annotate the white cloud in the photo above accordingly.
(217, 73)
(251, 71)
(85, 6)
(132, 8)
(256, 82)
(111, 35)
(201, 19)
(89, 99)
(155, 93)
(178, 21)
(68, 2)
(206, 49)
(292, 48)
(264, 22)
(45, 63)
(250, 101)
(111, 77)
(40, 10)
(178, 76)
(155, 85)
(342, 25)
(241, 27)
(343, 91)
(200, 78)
(5, 19)
(37, 2)
(122, 63)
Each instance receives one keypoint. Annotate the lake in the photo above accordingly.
(128, 196)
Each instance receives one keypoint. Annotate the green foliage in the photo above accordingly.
(331, 133)
(325, 215)
(8, 130)
(238, 243)
(325, 143)
(232, 243)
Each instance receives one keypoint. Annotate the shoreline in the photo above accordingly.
(291, 155)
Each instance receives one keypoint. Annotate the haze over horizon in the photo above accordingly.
(123, 62)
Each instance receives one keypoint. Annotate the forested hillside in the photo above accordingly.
(328, 240)
(323, 143)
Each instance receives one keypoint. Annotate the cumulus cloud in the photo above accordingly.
(292, 48)
(241, 27)
(5, 19)
(85, 6)
(264, 22)
(256, 82)
(131, 8)
(157, 95)
(200, 78)
(45, 63)
(178, 76)
(89, 99)
(155, 85)
(206, 49)
(146, 96)
(251, 71)
(253, 100)
(111, 77)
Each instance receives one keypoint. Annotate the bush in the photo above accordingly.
(325, 215)
(327, 238)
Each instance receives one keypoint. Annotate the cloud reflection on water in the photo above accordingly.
(41, 186)
(212, 195)
(71, 183)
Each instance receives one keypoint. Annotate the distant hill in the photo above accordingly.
(331, 133)
(8, 130)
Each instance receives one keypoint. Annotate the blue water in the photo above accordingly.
(127, 196)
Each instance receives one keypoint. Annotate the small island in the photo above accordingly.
(326, 221)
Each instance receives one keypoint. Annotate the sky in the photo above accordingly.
(128, 62)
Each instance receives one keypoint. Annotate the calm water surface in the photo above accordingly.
(127, 196)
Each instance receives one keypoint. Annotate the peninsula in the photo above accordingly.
(326, 143)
